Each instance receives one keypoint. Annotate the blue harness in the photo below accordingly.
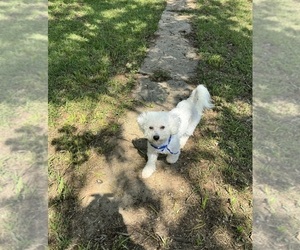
(162, 148)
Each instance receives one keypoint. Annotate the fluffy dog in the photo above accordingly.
(167, 132)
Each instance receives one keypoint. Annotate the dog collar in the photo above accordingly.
(162, 148)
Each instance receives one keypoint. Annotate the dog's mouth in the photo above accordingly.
(154, 142)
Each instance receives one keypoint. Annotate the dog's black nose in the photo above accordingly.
(156, 137)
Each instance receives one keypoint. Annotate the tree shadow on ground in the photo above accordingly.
(78, 144)
(99, 225)
(211, 226)
(31, 138)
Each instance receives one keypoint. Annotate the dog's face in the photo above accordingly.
(158, 126)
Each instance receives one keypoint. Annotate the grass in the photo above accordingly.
(223, 32)
(160, 75)
(95, 49)
(224, 41)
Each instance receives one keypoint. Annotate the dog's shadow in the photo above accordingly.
(141, 146)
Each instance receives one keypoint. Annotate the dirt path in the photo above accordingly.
(171, 61)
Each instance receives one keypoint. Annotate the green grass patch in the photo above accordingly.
(160, 75)
(225, 48)
(223, 36)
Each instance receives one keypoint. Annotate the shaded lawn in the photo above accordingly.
(93, 48)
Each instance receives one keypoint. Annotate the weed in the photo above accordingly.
(160, 75)
(165, 242)
(199, 241)
(204, 201)
(120, 242)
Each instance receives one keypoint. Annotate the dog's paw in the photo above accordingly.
(172, 158)
(148, 171)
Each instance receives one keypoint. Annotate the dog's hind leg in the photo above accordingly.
(195, 119)
(183, 140)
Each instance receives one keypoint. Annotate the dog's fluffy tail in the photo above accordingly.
(201, 98)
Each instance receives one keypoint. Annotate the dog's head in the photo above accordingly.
(158, 126)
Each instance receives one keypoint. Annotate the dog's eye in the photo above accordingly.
(151, 128)
(162, 127)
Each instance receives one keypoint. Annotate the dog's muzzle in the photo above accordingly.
(156, 137)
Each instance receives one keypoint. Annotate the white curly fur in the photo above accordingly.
(176, 125)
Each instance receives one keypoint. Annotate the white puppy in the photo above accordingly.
(167, 132)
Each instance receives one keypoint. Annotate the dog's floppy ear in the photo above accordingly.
(141, 120)
(174, 123)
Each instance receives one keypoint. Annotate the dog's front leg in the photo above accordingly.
(172, 158)
(150, 166)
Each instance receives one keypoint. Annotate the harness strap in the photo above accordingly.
(162, 148)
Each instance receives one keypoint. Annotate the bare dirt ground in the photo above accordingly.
(181, 206)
